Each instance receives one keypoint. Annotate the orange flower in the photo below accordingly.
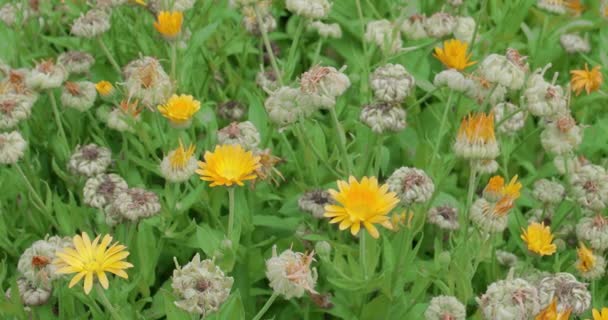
(588, 80)
(454, 54)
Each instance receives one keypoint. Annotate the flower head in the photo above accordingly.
(361, 203)
(588, 80)
(539, 239)
(228, 165)
(476, 138)
(550, 313)
(169, 24)
(104, 88)
(290, 273)
(591, 266)
(180, 109)
(600, 315)
(179, 164)
(454, 55)
(92, 259)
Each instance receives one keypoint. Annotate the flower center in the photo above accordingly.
(93, 265)
(90, 153)
(40, 261)
(203, 285)
(7, 107)
(106, 188)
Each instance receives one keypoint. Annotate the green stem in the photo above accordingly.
(318, 51)
(33, 191)
(294, 47)
(57, 116)
(273, 59)
(106, 303)
(370, 155)
(440, 133)
(266, 306)
(342, 140)
(470, 193)
(174, 63)
(292, 154)
(362, 250)
(109, 55)
(230, 212)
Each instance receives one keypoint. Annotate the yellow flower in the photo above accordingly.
(586, 259)
(477, 128)
(600, 315)
(89, 260)
(576, 7)
(399, 220)
(228, 165)
(360, 203)
(588, 80)
(550, 313)
(454, 54)
(169, 23)
(539, 239)
(509, 194)
(104, 88)
(181, 156)
(180, 109)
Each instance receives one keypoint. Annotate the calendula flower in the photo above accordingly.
(92, 259)
(539, 239)
(169, 24)
(180, 110)
(550, 313)
(104, 88)
(588, 80)
(591, 266)
(359, 203)
(180, 164)
(476, 138)
(228, 165)
(570, 293)
(454, 54)
(603, 314)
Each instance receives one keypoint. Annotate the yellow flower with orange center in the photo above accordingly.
(104, 88)
(169, 23)
(228, 165)
(180, 109)
(588, 80)
(539, 239)
(454, 54)
(180, 157)
(92, 259)
(476, 138)
(550, 313)
(600, 315)
(361, 203)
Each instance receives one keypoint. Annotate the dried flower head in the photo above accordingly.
(590, 187)
(46, 75)
(12, 147)
(135, 204)
(35, 262)
(548, 192)
(509, 299)
(78, 95)
(445, 217)
(231, 110)
(453, 79)
(514, 117)
(411, 185)
(593, 230)
(14, 108)
(30, 294)
(76, 62)
(180, 164)
(569, 293)
(90, 160)
(286, 105)
(413, 27)
(92, 24)
(244, 134)
(508, 71)
(445, 308)
(465, 28)
(267, 169)
(574, 43)
(314, 202)
(102, 189)
(325, 30)
(290, 273)
(383, 34)
(440, 24)
(383, 117)
(147, 81)
(392, 83)
(312, 9)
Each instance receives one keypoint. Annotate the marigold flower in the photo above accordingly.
(588, 80)
(92, 259)
(180, 109)
(600, 315)
(104, 88)
(550, 313)
(361, 203)
(539, 239)
(476, 138)
(454, 54)
(169, 24)
(228, 165)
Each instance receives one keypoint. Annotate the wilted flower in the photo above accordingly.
(411, 185)
(180, 164)
(445, 307)
(31, 294)
(363, 203)
(251, 22)
(593, 230)
(76, 62)
(267, 80)
(146, 80)
(590, 265)
(102, 189)
(509, 299)
(569, 292)
(574, 43)
(78, 95)
(90, 160)
(476, 139)
(14, 108)
(548, 192)
(286, 105)
(516, 117)
(453, 79)
(490, 212)
(267, 169)
(392, 83)
(35, 262)
(124, 116)
(384, 35)
(46, 75)
(244, 134)
(135, 203)
(314, 202)
(12, 147)
(312, 9)
(10, 12)
(588, 80)
(180, 110)
(542, 98)
(454, 55)
(228, 165)
(465, 28)
(440, 24)
(290, 274)
(506, 258)
(590, 187)
(326, 30)
(445, 217)
(413, 27)
(169, 24)
(483, 91)
(322, 85)
(502, 70)
(568, 163)
(231, 110)
(383, 117)
(539, 239)
(201, 286)
(92, 259)
(92, 24)
(561, 136)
